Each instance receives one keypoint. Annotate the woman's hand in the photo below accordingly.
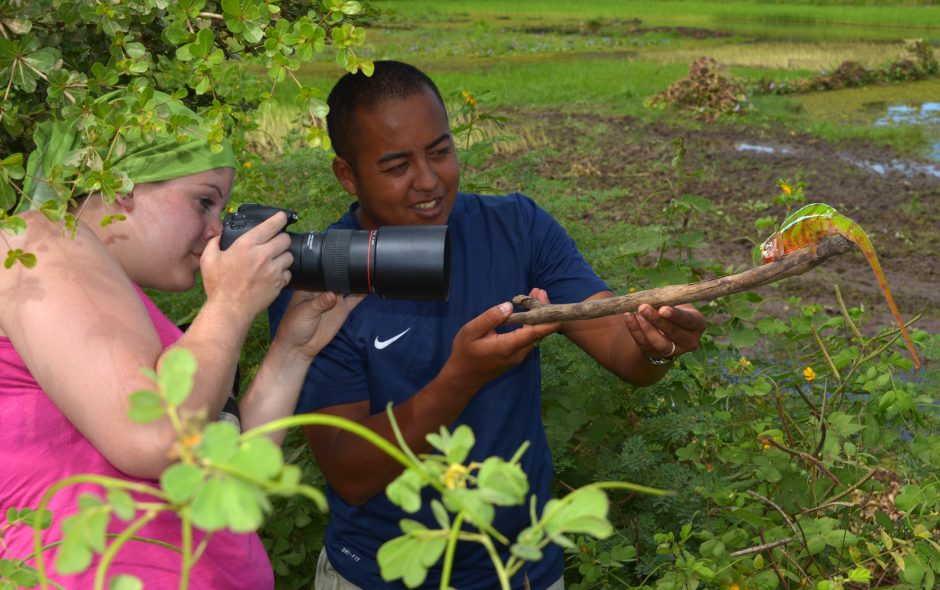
(253, 270)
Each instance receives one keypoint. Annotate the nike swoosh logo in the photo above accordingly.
(380, 344)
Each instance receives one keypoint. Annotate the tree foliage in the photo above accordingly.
(58, 56)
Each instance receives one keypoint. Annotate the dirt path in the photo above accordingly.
(899, 210)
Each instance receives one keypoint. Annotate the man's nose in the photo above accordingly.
(426, 178)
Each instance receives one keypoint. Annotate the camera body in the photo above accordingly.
(399, 262)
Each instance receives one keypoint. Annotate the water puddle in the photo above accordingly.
(925, 114)
(762, 149)
(895, 166)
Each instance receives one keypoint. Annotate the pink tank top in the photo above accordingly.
(39, 446)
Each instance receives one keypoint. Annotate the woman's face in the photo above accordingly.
(171, 222)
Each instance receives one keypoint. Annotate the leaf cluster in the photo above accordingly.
(58, 56)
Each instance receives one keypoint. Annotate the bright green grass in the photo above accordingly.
(790, 19)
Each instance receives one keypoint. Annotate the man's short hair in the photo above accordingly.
(390, 80)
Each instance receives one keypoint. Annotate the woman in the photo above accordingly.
(76, 329)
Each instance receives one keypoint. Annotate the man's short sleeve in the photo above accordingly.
(557, 265)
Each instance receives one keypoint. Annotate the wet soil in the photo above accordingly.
(899, 210)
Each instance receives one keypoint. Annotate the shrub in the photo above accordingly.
(708, 92)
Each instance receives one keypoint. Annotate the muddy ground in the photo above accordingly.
(900, 210)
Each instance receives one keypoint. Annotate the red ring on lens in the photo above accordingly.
(369, 262)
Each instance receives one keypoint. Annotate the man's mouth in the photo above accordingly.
(427, 205)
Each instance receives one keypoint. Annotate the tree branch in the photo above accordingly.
(794, 263)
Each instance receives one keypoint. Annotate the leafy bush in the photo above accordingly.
(57, 56)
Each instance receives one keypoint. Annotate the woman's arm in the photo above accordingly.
(84, 333)
(310, 322)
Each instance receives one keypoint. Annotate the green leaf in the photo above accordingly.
(244, 505)
(860, 575)
(351, 8)
(766, 470)
(122, 503)
(146, 406)
(180, 481)
(208, 510)
(440, 514)
(125, 582)
(405, 491)
(476, 510)
(910, 496)
(456, 446)
(502, 483)
(914, 569)
(408, 558)
(176, 374)
(815, 544)
(581, 511)
(260, 457)
(219, 442)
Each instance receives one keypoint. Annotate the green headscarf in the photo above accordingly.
(144, 159)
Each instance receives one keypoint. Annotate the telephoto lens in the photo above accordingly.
(396, 261)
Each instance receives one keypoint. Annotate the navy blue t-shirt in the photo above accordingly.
(387, 350)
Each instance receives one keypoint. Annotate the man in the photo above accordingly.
(444, 363)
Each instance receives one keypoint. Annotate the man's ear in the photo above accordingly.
(344, 173)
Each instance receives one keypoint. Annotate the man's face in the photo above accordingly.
(403, 166)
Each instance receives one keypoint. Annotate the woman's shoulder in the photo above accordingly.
(36, 231)
(45, 256)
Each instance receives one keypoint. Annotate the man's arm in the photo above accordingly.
(356, 469)
(621, 343)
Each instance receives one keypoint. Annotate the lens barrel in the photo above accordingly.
(398, 262)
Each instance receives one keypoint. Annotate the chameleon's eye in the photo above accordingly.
(767, 252)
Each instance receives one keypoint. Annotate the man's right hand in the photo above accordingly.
(479, 354)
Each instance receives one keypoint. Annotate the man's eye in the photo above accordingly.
(441, 152)
(397, 168)
(206, 203)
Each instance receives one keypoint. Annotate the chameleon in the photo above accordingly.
(807, 225)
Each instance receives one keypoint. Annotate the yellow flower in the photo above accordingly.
(633, 289)
(809, 374)
(766, 445)
(734, 587)
(786, 188)
(456, 476)
(192, 440)
(246, 165)
(744, 363)
(469, 98)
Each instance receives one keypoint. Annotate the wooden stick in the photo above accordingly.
(794, 263)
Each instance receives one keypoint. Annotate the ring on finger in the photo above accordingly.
(671, 352)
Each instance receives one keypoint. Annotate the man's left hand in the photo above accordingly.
(666, 332)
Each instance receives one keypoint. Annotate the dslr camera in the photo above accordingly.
(396, 261)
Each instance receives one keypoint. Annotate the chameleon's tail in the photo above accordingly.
(864, 244)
